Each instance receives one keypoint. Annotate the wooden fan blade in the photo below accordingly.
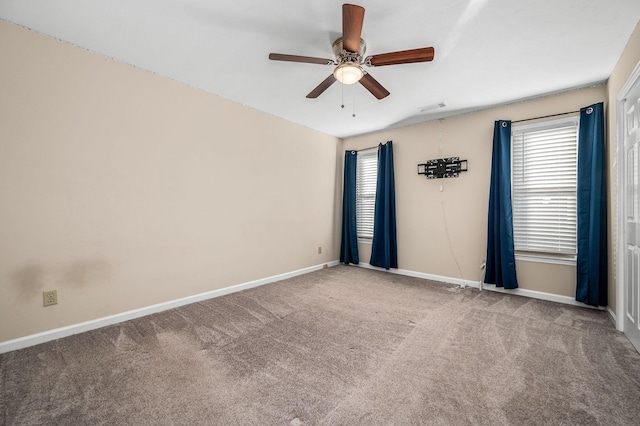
(372, 85)
(424, 54)
(297, 58)
(322, 87)
(352, 19)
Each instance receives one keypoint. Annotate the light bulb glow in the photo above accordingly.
(348, 73)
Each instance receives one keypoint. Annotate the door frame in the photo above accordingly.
(621, 207)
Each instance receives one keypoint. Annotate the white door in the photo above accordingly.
(631, 203)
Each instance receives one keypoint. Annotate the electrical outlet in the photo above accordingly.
(50, 297)
(319, 249)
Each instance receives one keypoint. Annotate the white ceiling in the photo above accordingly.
(488, 52)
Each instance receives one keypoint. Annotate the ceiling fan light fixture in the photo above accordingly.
(348, 73)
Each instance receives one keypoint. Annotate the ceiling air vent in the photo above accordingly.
(432, 107)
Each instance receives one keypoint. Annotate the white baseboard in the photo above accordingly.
(440, 278)
(46, 336)
(612, 317)
(539, 295)
(484, 286)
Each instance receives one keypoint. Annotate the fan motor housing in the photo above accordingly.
(342, 56)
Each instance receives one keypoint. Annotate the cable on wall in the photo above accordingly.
(444, 216)
(440, 136)
(453, 254)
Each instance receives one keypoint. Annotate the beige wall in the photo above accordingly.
(445, 232)
(628, 60)
(122, 189)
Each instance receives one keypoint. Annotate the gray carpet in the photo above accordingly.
(341, 346)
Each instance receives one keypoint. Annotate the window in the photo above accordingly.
(366, 178)
(544, 175)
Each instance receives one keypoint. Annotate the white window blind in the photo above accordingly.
(544, 187)
(366, 179)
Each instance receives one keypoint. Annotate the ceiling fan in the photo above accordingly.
(349, 52)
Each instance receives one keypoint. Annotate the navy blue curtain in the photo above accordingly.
(349, 245)
(592, 208)
(384, 250)
(501, 260)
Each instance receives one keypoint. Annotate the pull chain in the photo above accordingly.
(353, 112)
(353, 93)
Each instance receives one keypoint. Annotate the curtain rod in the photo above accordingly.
(546, 116)
(363, 149)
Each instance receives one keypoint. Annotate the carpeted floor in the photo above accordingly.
(341, 346)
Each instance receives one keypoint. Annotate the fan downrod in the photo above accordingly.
(343, 56)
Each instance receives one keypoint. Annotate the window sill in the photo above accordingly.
(546, 259)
